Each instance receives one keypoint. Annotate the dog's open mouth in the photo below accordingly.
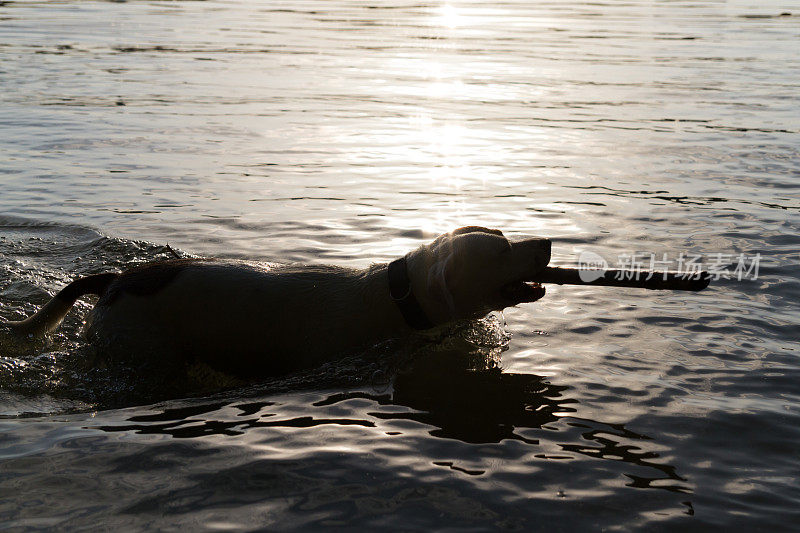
(521, 291)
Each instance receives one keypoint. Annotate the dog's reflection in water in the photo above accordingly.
(467, 396)
(461, 392)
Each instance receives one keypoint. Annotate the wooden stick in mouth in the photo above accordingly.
(673, 281)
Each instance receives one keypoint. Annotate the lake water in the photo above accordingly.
(350, 133)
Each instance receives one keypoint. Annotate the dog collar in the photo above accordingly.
(403, 296)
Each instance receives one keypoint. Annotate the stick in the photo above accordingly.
(626, 278)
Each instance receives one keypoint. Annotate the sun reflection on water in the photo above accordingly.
(450, 16)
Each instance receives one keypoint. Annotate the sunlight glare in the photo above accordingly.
(450, 17)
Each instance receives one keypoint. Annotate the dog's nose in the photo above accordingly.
(542, 244)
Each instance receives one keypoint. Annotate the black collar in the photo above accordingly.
(403, 296)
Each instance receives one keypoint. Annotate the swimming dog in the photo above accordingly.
(251, 319)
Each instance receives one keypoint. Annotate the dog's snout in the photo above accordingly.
(538, 244)
(546, 245)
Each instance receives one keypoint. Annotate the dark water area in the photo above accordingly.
(350, 133)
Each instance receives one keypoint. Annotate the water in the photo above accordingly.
(350, 133)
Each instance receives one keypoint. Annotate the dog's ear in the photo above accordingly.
(473, 229)
(439, 282)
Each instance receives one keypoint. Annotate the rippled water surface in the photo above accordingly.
(349, 133)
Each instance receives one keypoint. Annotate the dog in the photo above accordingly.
(255, 320)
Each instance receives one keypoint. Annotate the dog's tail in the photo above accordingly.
(50, 316)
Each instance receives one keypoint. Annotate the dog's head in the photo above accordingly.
(473, 270)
